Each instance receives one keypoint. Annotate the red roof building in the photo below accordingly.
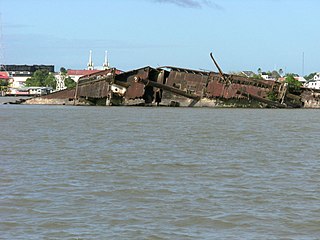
(91, 71)
(4, 76)
(76, 74)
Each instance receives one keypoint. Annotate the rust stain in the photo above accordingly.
(165, 84)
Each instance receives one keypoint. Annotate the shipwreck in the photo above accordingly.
(173, 86)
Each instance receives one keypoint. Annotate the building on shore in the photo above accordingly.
(4, 75)
(14, 77)
(18, 74)
(4, 82)
(302, 80)
(314, 83)
(75, 74)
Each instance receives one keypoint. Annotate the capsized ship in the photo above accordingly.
(173, 86)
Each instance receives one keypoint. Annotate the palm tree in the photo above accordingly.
(280, 72)
(259, 71)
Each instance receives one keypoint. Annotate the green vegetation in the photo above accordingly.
(63, 70)
(259, 71)
(310, 76)
(272, 96)
(256, 76)
(3, 84)
(293, 84)
(41, 78)
(280, 71)
(68, 81)
(274, 74)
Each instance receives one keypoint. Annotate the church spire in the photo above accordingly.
(106, 61)
(90, 63)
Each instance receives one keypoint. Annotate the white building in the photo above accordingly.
(301, 79)
(265, 76)
(20, 73)
(105, 65)
(314, 83)
(18, 81)
(91, 69)
(317, 77)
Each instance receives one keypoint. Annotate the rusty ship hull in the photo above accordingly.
(173, 86)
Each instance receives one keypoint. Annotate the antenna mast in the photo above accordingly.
(1, 44)
(302, 64)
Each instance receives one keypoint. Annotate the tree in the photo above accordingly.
(259, 71)
(281, 71)
(293, 84)
(310, 76)
(3, 84)
(50, 81)
(256, 76)
(41, 78)
(69, 82)
(292, 74)
(275, 74)
(63, 70)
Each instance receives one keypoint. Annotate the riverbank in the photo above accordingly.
(11, 100)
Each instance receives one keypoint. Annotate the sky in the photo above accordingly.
(242, 34)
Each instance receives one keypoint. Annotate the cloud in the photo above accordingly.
(191, 3)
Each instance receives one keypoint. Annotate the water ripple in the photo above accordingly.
(159, 173)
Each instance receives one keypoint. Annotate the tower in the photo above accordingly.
(60, 82)
(90, 63)
(106, 61)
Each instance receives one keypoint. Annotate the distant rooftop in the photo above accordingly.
(81, 72)
(26, 68)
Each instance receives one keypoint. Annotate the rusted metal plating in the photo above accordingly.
(165, 84)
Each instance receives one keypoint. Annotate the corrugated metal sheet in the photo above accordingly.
(135, 90)
(98, 89)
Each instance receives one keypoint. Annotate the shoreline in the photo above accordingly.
(10, 99)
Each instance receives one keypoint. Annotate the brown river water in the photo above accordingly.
(158, 173)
